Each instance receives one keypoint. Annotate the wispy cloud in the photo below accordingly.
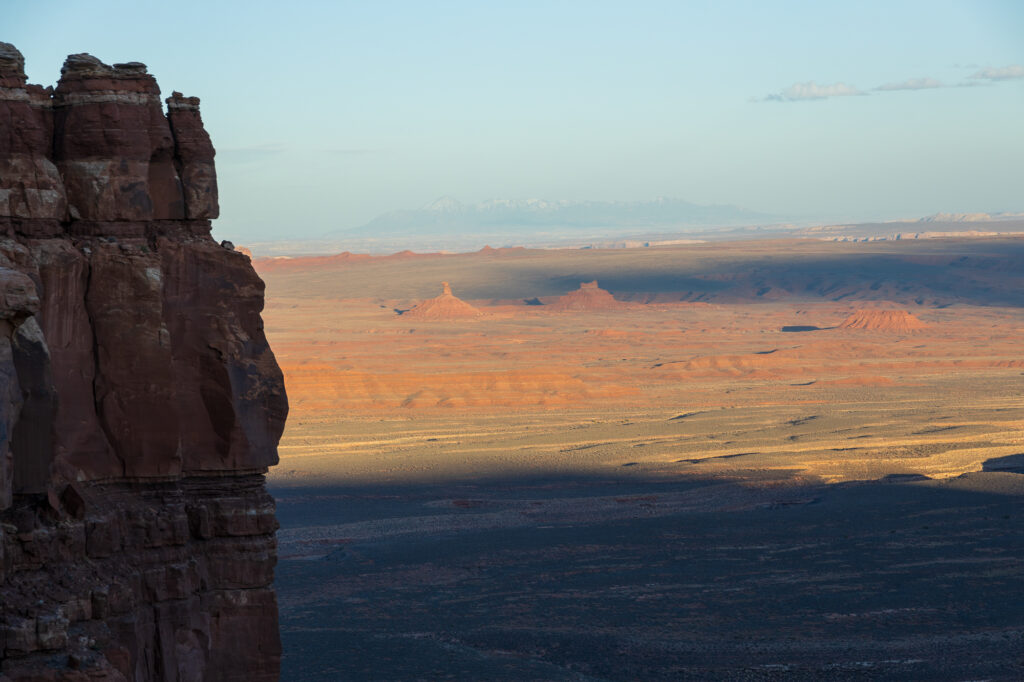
(912, 84)
(799, 92)
(1004, 73)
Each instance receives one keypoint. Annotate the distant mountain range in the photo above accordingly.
(534, 216)
(969, 217)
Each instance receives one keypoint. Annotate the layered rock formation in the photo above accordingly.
(140, 404)
(588, 297)
(880, 320)
(444, 307)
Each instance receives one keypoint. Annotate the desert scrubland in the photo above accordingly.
(722, 376)
(814, 447)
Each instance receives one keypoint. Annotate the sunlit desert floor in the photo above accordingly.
(669, 488)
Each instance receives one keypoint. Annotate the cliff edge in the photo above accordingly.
(140, 404)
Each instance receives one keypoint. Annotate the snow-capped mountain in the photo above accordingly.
(533, 216)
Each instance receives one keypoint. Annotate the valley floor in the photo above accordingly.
(602, 579)
(663, 490)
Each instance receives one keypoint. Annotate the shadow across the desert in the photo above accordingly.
(978, 273)
(1009, 464)
(632, 577)
(803, 328)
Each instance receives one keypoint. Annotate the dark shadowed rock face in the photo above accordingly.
(140, 404)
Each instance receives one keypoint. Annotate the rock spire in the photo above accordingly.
(444, 307)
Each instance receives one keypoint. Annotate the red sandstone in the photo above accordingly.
(588, 297)
(895, 321)
(444, 307)
(140, 404)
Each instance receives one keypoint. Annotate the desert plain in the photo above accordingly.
(797, 459)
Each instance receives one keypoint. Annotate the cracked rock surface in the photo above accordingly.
(140, 404)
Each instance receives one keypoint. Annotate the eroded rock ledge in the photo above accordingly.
(140, 404)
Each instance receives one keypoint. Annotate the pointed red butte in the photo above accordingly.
(445, 307)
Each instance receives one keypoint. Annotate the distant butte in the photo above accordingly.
(444, 307)
(588, 297)
(896, 321)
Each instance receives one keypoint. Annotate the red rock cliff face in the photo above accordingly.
(140, 404)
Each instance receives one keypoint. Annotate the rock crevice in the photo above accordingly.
(140, 404)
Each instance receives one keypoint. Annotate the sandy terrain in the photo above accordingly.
(845, 388)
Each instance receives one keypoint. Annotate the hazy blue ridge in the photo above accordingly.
(447, 215)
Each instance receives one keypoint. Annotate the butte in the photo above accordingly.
(588, 297)
(444, 307)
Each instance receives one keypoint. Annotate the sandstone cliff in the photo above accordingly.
(140, 404)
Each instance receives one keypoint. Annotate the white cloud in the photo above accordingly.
(811, 90)
(1001, 74)
(912, 84)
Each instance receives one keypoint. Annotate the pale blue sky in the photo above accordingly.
(326, 114)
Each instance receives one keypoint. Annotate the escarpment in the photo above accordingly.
(140, 404)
